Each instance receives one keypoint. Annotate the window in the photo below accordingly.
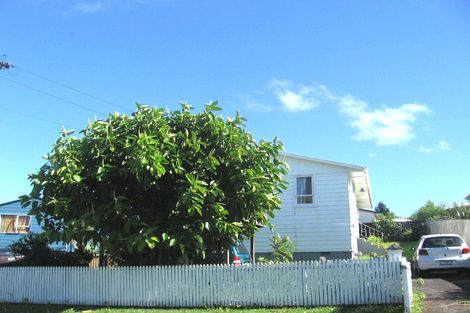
(15, 224)
(304, 190)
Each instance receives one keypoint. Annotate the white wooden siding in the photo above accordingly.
(341, 282)
(324, 225)
(354, 217)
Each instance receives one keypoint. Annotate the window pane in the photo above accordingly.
(23, 223)
(307, 199)
(308, 186)
(301, 185)
(8, 224)
(304, 185)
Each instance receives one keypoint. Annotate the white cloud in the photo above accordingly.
(372, 155)
(440, 146)
(295, 98)
(88, 7)
(444, 146)
(385, 126)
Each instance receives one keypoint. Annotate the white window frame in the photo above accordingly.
(304, 196)
(16, 227)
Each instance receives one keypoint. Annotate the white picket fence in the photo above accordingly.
(342, 282)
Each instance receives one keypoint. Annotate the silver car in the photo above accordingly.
(441, 252)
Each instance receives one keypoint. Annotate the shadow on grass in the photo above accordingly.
(44, 308)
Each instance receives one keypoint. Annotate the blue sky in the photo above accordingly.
(383, 84)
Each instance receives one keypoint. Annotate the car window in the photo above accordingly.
(242, 249)
(442, 242)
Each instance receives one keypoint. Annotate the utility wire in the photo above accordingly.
(52, 96)
(69, 87)
(30, 116)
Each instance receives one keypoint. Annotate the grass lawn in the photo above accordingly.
(32, 308)
(408, 247)
(418, 298)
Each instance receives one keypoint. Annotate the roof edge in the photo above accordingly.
(335, 163)
(10, 202)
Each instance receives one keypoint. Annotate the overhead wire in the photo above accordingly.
(30, 115)
(52, 95)
(21, 69)
(9, 66)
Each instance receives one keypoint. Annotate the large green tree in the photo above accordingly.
(429, 211)
(159, 187)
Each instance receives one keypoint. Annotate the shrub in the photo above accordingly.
(389, 227)
(35, 251)
(283, 250)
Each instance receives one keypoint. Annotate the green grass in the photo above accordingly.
(418, 298)
(31, 308)
(408, 247)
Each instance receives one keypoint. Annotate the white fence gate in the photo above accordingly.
(339, 282)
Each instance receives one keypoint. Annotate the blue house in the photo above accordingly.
(16, 222)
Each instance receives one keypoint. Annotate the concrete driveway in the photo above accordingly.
(449, 293)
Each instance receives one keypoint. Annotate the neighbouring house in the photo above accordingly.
(320, 208)
(16, 222)
(367, 216)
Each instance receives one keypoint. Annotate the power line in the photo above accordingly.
(70, 87)
(30, 116)
(51, 95)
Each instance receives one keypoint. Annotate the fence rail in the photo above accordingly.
(338, 282)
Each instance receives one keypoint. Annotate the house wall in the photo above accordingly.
(322, 228)
(353, 217)
(15, 208)
(366, 216)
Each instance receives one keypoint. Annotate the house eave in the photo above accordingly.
(340, 164)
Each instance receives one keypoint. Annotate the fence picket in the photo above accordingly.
(296, 284)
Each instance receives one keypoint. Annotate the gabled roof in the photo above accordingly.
(340, 164)
(9, 202)
(358, 174)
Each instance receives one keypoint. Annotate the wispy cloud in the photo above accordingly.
(88, 7)
(385, 126)
(252, 104)
(295, 98)
(93, 6)
(440, 146)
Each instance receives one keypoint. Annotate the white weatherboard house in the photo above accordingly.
(320, 208)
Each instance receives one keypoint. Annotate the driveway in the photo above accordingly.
(449, 293)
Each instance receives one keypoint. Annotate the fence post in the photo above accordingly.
(406, 284)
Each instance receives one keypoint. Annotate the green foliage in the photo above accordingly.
(429, 211)
(159, 187)
(283, 250)
(34, 251)
(381, 208)
(388, 226)
(417, 230)
(458, 212)
(376, 241)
